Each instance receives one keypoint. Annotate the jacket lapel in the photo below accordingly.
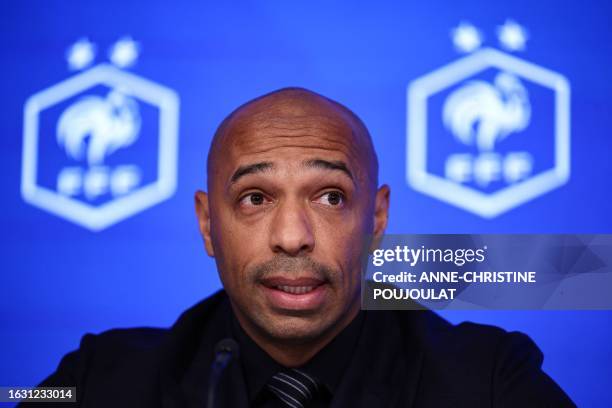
(187, 355)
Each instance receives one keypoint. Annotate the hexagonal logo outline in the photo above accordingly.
(469, 199)
(118, 209)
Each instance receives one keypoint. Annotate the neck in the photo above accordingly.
(294, 352)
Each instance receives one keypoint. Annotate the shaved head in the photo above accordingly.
(293, 111)
(292, 202)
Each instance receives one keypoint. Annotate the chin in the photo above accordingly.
(295, 329)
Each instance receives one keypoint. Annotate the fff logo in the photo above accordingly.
(490, 131)
(101, 145)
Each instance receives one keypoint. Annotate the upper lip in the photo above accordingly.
(275, 281)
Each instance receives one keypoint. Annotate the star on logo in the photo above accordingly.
(80, 54)
(512, 36)
(124, 52)
(466, 37)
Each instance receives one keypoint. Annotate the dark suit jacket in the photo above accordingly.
(407, 359)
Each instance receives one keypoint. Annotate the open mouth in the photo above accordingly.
(295, 290)
(299, 293)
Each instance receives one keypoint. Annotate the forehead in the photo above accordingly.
(288, 125)
(260, 135)
(288, 133)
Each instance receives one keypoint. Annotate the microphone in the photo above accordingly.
(225, 350)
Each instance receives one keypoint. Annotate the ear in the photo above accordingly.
(203, 213)
(381, 215)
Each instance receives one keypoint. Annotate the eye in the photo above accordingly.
(331, 198)
(253, 200)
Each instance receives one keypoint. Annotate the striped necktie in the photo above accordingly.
(294, 387)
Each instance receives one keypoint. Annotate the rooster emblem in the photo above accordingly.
(108, 123)
(481, 113)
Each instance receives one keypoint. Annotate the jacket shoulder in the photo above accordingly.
(479, 346)
(103, 351)
(125, 340)
(485, 361)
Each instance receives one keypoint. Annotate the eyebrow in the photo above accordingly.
(250, 169)
(330, 165)
(336, 165)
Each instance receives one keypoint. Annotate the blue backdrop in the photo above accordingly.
(60, 280)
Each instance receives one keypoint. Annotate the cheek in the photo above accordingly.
(342, 243)
(237, 245)
(347, 226)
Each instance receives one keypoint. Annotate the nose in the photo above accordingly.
(291, 230)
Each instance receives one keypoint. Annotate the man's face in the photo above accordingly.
(289, 212)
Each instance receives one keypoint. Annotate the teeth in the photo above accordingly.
(296, 290)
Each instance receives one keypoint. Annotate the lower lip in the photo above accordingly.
(289, 301)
